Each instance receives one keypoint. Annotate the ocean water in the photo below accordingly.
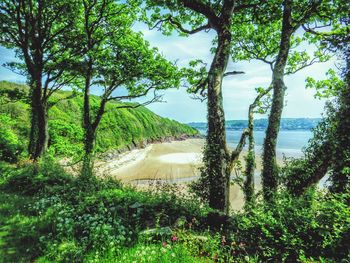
(290, 142)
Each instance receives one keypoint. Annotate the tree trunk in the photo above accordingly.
(89, 134)
(216, 155)
(250, 161)
(87, 168)
(39, 135)
(90, 126)
(270, 169)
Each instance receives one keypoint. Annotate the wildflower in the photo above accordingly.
(164, 244)
(174, 238)
(223, 240)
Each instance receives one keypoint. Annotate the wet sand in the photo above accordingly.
(171, 162)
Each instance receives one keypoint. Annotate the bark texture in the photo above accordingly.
(39, 134)
(216, 154)
(250, 160)
(270, 169)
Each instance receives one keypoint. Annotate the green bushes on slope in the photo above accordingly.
(119, 128)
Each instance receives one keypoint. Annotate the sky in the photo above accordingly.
(238, 91)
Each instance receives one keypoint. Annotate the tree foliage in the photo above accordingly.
(39, 33)
(114, 57)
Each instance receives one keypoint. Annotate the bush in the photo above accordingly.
(295, 228)
(10, 148)
(33, 179)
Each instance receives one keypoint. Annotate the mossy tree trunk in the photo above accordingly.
(248, 188)
(217, 156)
(270, 168)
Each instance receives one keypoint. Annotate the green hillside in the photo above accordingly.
(119, 129)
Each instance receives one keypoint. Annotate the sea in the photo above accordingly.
(290, 143)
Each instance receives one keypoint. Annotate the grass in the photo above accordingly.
(52, 217)
(18, 233)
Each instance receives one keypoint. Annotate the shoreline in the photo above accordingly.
(115, 153)
(174, 162)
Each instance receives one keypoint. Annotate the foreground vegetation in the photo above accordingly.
(50, 216)
(47, 215)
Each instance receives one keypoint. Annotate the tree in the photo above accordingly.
(217, 16)
(328, 151)
(272, 39)
(116, 58)
(260, 105)
(39, 32)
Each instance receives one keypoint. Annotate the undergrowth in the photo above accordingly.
(47, 215)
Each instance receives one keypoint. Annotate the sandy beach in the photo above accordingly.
(171, 162)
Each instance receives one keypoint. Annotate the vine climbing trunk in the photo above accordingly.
(250, 160)
(270, 169)
(216, 154)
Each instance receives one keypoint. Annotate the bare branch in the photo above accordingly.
(128, 97)
(156, 98)
(232, 73)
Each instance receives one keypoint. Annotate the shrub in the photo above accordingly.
(295, 228)
(10, 147)
(33, 179)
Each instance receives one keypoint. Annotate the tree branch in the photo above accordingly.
(156, 98)
(51, 104)
(186, 31)
(204, 9)
(128, 97)
(178, 25)
(235, 153)
(232, 73)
